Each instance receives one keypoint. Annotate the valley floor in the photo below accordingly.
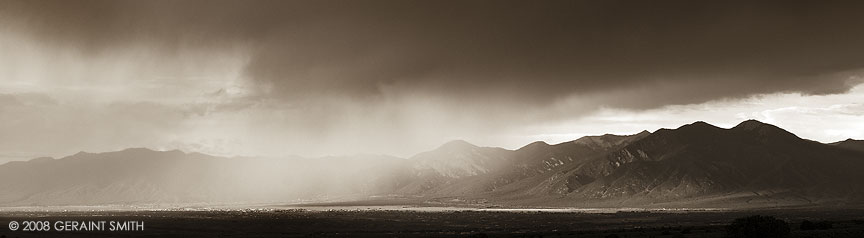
(379, 222)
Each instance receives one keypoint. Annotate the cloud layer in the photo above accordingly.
(353, 76)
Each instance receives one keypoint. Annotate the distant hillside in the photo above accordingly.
(698, 165)
(753, 164)
(143, 176)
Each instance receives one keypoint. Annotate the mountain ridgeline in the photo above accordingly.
(697, 165)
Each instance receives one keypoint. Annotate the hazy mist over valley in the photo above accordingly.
(429, 118)
(697, 165)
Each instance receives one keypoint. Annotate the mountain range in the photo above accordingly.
(753, 164)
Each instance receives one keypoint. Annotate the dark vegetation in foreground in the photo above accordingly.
(758, 226)
(380, 223)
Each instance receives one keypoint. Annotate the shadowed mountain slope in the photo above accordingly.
(699, 160)
(750, 165)
(851, 144)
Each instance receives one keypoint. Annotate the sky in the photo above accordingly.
(313, 78)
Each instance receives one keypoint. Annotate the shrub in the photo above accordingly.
(821, 225)
(686, 231)
(758, 226)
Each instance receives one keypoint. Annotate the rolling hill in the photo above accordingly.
(144, 176)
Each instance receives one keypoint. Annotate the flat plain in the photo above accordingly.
(387, 222)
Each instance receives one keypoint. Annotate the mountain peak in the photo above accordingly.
(144, 150)
(751, 124)
(698, 125)
(609, 140)
(850, 144)
(457, 145)
(535, 145)
(762, 129)
(137, 149)
(139, 153)
(849, 140)
(457, 159)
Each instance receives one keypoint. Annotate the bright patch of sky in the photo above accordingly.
(823, 118)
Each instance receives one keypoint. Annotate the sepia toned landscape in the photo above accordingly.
(698, 165)
(419, 118)
(690, 181)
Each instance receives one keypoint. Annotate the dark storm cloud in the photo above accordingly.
(524, 53)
